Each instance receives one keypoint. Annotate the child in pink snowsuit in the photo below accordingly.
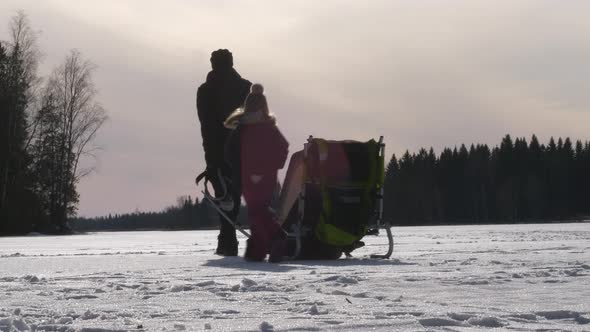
(263, 151)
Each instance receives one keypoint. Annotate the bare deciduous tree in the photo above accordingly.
(24, 42)
(28, 55)
(69, 100)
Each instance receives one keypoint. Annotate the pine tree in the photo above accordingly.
(535, 189)
(18, 66)
(577, 180)
(586, 180)
(407, 201)
(505, 181)
(390, 187)
(521, 156)
(48, 164)
(445, 183)
(566, 172)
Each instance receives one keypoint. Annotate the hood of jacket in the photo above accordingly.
(239, 117)
(221, 75)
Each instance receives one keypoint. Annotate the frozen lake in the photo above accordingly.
(445, 278)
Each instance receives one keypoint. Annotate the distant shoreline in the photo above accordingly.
(74, 232)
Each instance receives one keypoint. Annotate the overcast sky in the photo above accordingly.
(421, 73)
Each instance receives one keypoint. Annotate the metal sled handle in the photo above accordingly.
(222, 213)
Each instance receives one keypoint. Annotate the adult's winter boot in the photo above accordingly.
(226, 246)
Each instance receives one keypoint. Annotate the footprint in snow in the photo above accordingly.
(405, 313)
(205, 283)
(81, 297)
(33, 279)
(180, 288)
(339, 292)
(248, 282)
(485, 321)
(525, 317)
(313, 310)
(474, 282)
(434, 322)
(460, 316)
(343, 280)
(361, 295)
(87, 315)
(266, 327)
(573, 273)
(333, 322)
(558, 314)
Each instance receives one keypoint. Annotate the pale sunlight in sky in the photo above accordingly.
(421, 73)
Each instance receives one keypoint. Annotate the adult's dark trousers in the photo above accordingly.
(227, 232)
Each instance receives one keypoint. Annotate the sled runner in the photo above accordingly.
(341, 199)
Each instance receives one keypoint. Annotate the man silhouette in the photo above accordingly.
(222, 93)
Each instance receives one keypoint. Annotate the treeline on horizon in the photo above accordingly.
(186, 214)
(515, 182)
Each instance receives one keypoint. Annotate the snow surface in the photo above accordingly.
(447, 278)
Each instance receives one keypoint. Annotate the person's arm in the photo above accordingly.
(232, 148)
(232, 156)
(204, 111)
(281, 148)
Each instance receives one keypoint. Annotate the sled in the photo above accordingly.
(341, 199)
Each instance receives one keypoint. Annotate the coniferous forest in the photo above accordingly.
(186, 214)
(518, 181)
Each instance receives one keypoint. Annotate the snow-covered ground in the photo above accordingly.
(448, 278)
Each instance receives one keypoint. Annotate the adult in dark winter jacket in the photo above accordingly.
(223, 92)
(263, 151)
